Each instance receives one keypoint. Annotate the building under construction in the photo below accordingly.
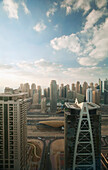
(82, 137)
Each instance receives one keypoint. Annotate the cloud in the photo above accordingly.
(11, 8)
(52, 10)
(74, 5)
(26, 10)
(39, 27)
(5, 66)
(70, 42)
(101, 3)
(43, 71)
(92, 18)
(97, 46)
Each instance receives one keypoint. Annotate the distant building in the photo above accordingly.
(100, 86)
(36, 98)
(8, 90)
(33, 89)
(13, 131)
(92, 86)
(43, 105)
(106, 91)
(73, 87)
(78, 87)
(26, 88)
(39, 91)
(53, 96)
(89, 95)
(82, 137)
(96, 96)
(85, 86)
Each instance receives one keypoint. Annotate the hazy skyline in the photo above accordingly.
(42, 40)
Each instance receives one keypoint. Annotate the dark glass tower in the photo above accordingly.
(82, 137)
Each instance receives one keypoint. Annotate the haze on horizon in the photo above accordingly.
(65, 40)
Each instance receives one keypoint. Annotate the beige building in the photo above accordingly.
(13, 131)
(96, 96)
(43, 105)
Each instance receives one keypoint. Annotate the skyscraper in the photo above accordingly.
(85, 86)
(96, 96)
(89, 95)
(13, 132)
(78, 87)
(53, 96)
(82, 137)
(100, 86)
(39, 90)
(106, 91)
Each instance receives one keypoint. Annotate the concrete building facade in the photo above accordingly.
(13, 132)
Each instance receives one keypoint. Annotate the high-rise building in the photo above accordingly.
(43, 105)
(106, 91)
(39, 90)
(61, 90)
(82, 137)
(100, 86)
(33, 89)
(73, 87)
(36, 98)
(92, 86)
(96, 96)
(85, 86)
(26, 88)
(13, 131)
(78, 87)
(53, 96)
(89, 95)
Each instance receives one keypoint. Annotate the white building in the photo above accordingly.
(13, 131)
(53, 96)
(89, 95)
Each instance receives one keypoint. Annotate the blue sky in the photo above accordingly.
(41, 40)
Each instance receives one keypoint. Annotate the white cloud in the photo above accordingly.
(73, 5)
(70, 42)
(11, 8)
(97, 46)
(39, 27)
(43, 71)
(52, 10)
(101, 3)
(26, 10)
(92, 18)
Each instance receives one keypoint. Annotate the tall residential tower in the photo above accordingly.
(13, 131)
(53, 96)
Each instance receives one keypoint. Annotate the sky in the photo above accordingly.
(42, 40)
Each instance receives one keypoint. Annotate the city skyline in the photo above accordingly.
(44, 40)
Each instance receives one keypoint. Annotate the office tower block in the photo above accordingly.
(26, 88)
(43, 105)
(39, 91)
(82, 137)
(73, 87)
(106, 91)
(89, 95)
(85, 86)
(78, 87)
(36, 98)
(96, 85)
(21, 87)
(96, 96)
(61, 90)
(92, 86)
(53, 96)
(13, 131)
(100, 86)
(33, 89)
